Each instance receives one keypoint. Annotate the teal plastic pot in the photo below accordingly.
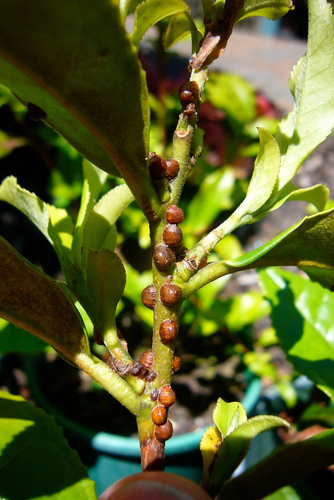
(110, 457)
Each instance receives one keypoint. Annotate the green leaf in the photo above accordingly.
(150, 12)
(223, 447)
(307, 243)
(105, 285)
(94, 179)
(180, 25)
(317, 195)
(228, 416)
(100, 228)
(54, 223)
(312, 118)
(264, 178)
(32, 444)
(287, 464)
(77, 67)
(303, 316)
(31, 300)
(235, 447)
(271, 9)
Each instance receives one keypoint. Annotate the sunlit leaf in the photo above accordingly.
(181, 25)
(228, 416)
(303, 317)
(307, 243)
(150, 12)
(94, 179)
(105, 286)
(271, 9)
(264, 178)
(31, 442)
(100, 229)
(312, 118)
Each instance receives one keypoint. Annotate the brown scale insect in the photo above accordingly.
(159, 415)
(157, 166)
(189, 93)
(152, 375)
(172, 235)
(163, 257)
(147, 358)
(176, 364)
(170, 294)
(154, 394)
(174, 214)
(166, 396)
(163, 432)
(168, 331)
(190, 110)
(172, 169)
(149, 296)
(138, 370)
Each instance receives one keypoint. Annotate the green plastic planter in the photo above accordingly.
(110, 457)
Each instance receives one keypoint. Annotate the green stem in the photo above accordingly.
(110, 380)
(189, 266)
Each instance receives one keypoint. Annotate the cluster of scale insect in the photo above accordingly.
(165, 255)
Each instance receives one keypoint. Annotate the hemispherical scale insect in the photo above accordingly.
(147, 358)
(163, 257)
(166, 396)
(174, 214)
(176, 364)
(172, 235)
(170, 294)
(172, 169)
(189, 93)
(149, 296)
(168, 331)
(157, 166)
(163, 432)
(159, 415)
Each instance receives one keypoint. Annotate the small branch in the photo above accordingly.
(190, 264)
(219, 32)
(110, 380)
(209, 273)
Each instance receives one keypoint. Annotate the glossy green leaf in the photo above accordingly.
(223, 447)
(228, 416)
(181, 25)
(33, 446)
(303, 316)
(127, 7)
(235, 447)
(287, 464)
(94, 179)
(307, 243)
(150, 12)
(31, 300)
(271, 9)
(317, 195)
(77, 67)
(312, 118)
(105, 286)
(100, 228)
(264, 178)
